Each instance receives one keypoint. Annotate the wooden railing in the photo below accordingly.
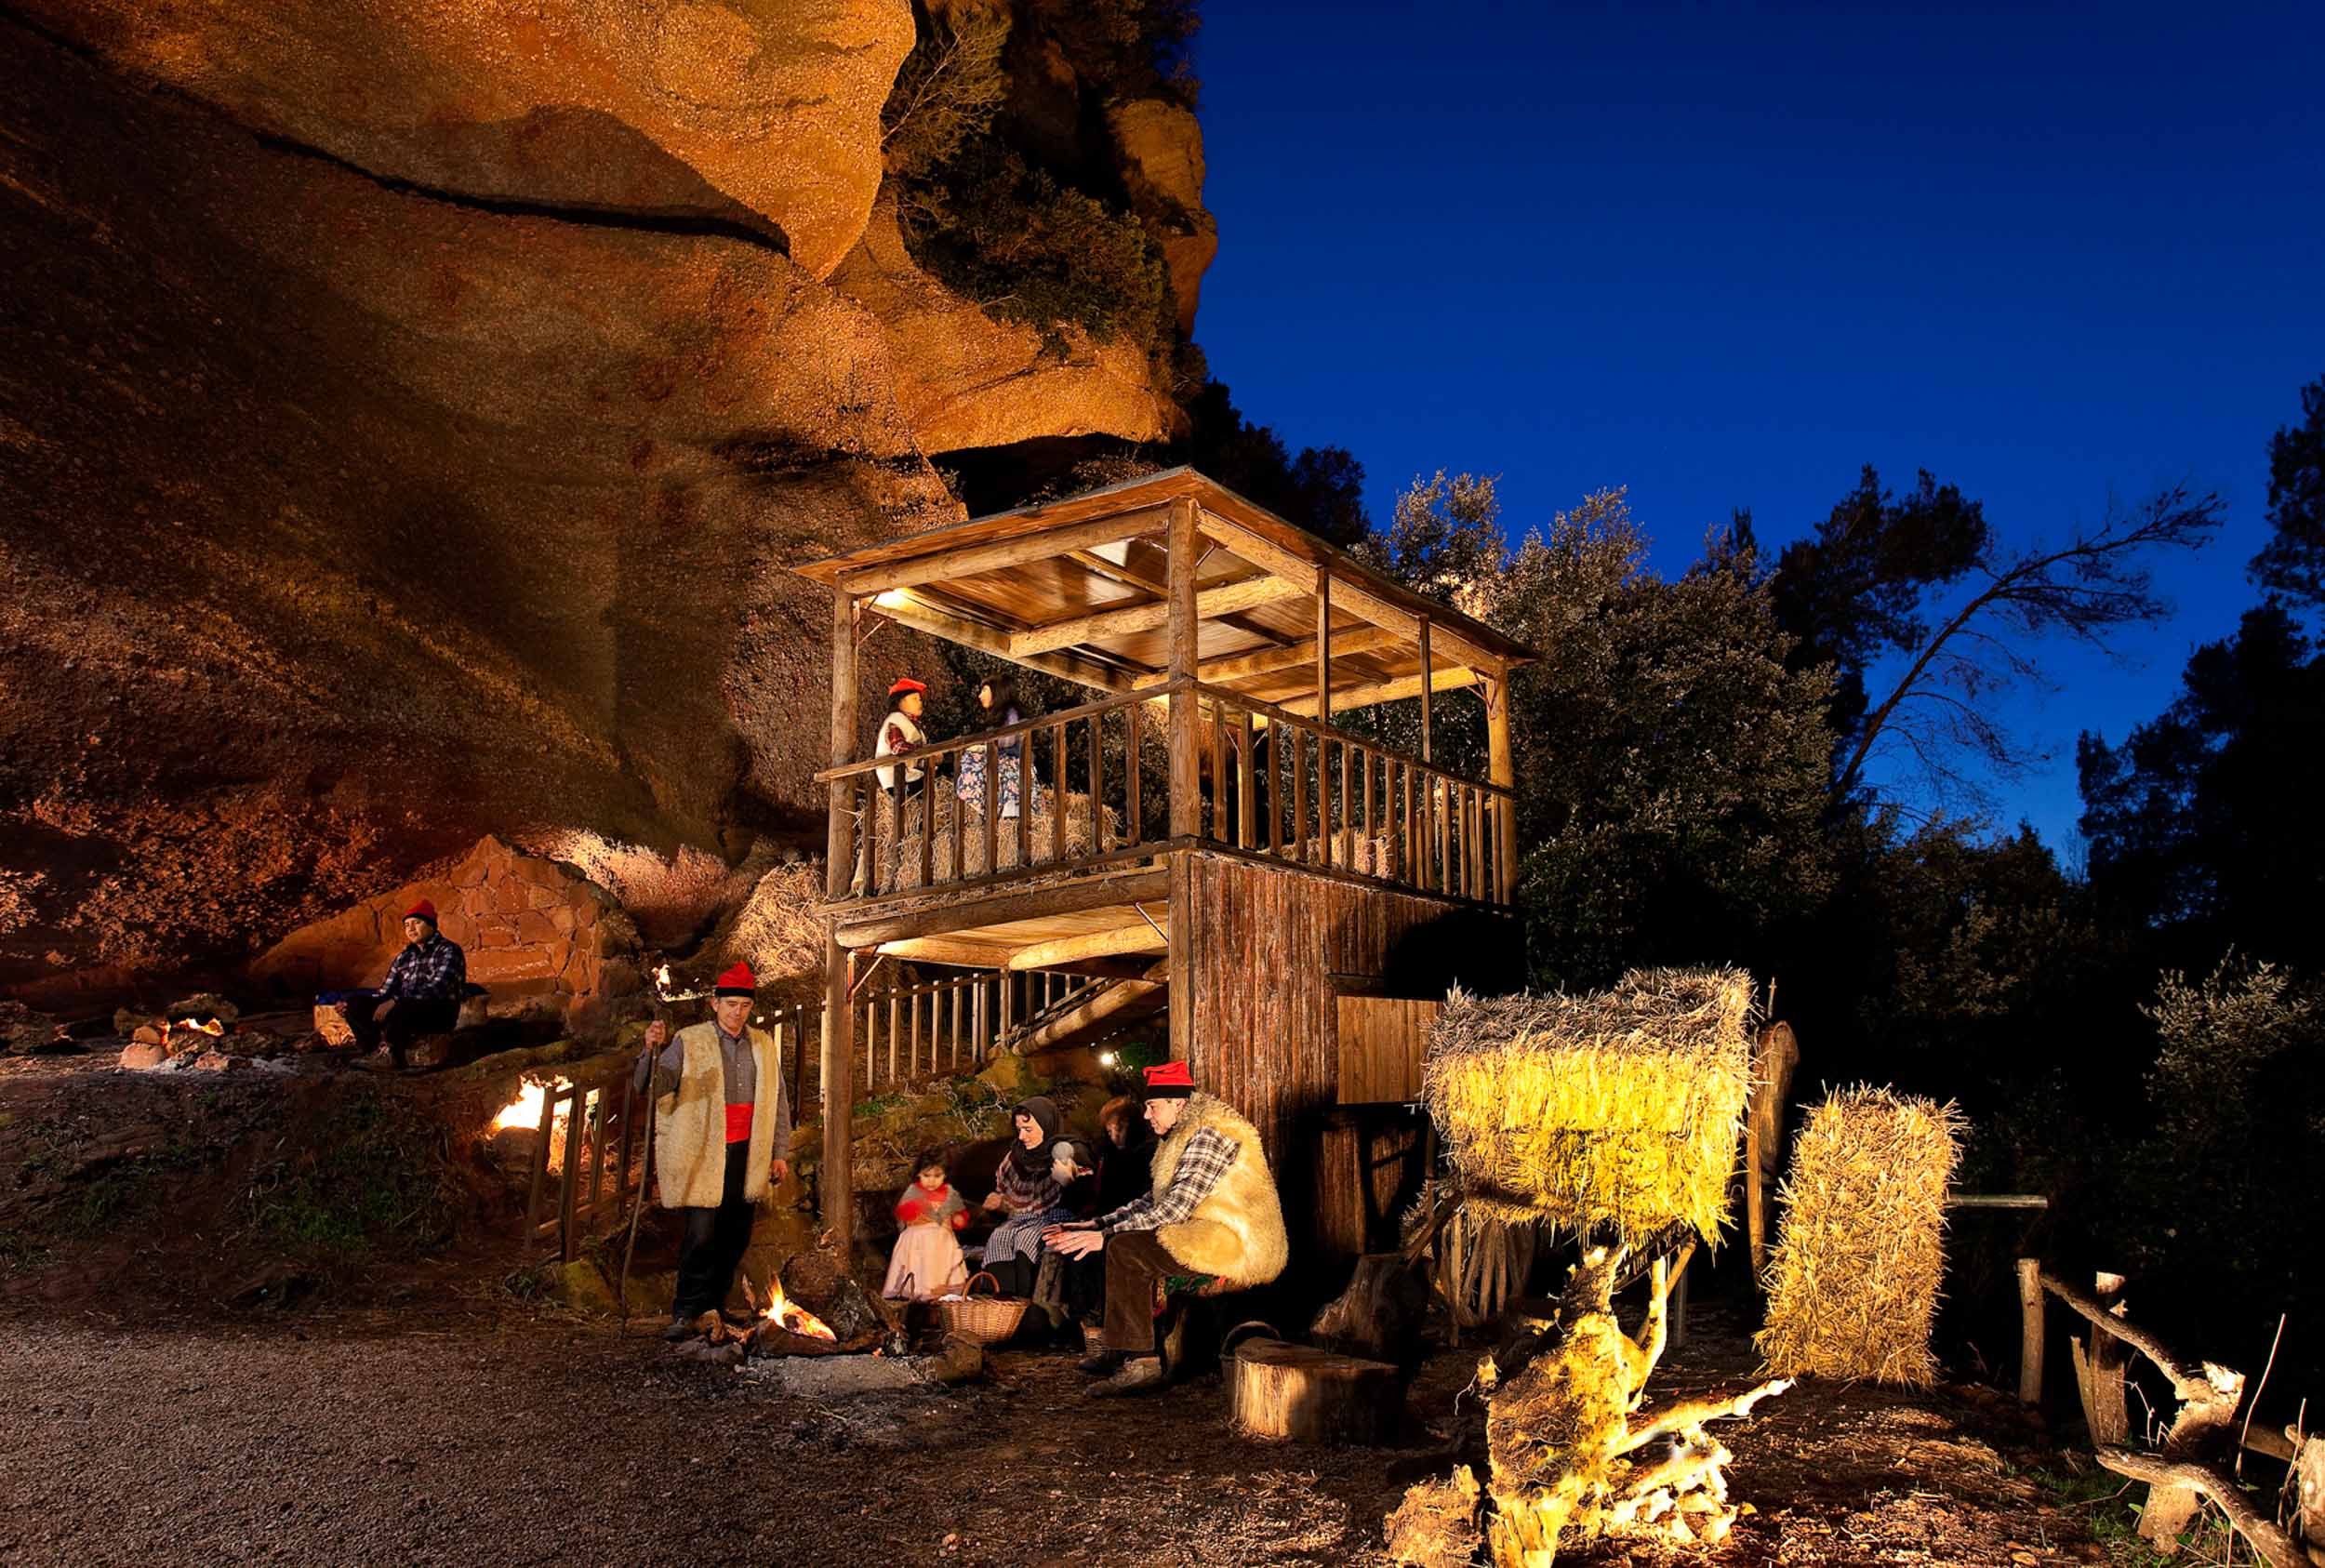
(1282, 784)
(1083, 802)
(1272, 783)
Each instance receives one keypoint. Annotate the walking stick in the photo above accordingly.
(644, 1176)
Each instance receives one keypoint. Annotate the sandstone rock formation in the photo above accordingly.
(413, 414)
(541, 940)
(1161, 149)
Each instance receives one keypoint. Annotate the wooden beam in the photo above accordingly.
(1138, 938)
(1428, 686)
(1267, 662)
(1071, 897)
(1354, 597)
(1186, 775)
(1353, 697)
(1211, 604)
(968, 560)
(948, 949)
(920, 616)
(1123, 574)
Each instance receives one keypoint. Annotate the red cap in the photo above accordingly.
(1171, 1080)
(905, 684)
(738, 981)
(423, 910)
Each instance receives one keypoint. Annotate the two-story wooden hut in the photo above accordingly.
(1284, 890)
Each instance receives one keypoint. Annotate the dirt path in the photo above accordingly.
(543, 1439)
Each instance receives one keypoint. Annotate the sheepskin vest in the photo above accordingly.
(1237, 1231)
(690, 1123)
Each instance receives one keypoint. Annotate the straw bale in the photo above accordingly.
(1852, 1285)
(899, 856)
(777, 930)
(1621, 1111)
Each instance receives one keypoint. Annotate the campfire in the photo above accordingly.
(524, 1112)
(787, 1314)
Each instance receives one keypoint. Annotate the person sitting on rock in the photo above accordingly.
(1213, 1214)
(421, 995)
(722, 1123)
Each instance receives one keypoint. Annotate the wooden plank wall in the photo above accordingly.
(1382, 1040)
(1260, 956)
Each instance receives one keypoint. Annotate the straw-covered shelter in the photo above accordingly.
(1621, 1111)
(1852, 1285)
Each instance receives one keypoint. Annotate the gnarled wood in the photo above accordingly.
(2164, 1474)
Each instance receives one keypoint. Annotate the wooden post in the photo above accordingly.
(1323, 649)
(2030, 1330)
(1774, 1058)
(2099, 1363)
(840, 851)
(1185, 782)
(1502, 768)
(1425, 683)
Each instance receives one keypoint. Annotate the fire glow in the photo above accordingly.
(525, 1110)
(784, 1312)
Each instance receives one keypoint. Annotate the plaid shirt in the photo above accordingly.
(1201, 1165)
(429, 968)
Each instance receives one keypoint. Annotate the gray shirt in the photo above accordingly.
(742, 1076)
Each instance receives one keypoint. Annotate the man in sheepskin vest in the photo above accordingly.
(1213, 1214)
(721, 1125)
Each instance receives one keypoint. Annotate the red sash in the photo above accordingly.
(738, 1124)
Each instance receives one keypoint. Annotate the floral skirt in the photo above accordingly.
(971, 781)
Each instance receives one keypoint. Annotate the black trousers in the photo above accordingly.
(406, 1021)
(1084, 1290)
(714, 1241)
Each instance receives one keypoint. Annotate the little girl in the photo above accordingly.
(927, 1262)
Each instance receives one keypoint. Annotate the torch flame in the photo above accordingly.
(525, 1110)
(786, 1314)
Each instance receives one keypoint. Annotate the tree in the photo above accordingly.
(1322, 489)
(1940, 708)
(2201, 825)
(1853, 589)
(2293, 562)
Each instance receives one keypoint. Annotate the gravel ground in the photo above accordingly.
(540, 1438)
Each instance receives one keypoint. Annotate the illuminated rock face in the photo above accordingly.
(410, 424)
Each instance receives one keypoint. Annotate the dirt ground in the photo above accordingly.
(481, 1431)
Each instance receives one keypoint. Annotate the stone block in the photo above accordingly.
(507, 896)
(144, 1055)
(533, 928)
(219, 1062)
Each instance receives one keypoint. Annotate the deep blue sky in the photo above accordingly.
(1727, 254)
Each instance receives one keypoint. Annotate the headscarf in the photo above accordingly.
(1034, 1163)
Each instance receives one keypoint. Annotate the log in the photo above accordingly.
(2100, 1361)
(1381, 1313)
(1306, 1395)
(2165, 1476)
(2030, 1330)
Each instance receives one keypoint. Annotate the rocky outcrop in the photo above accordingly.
(543, 941)
(765, 113)
(964, 379)
(1161, 146)
(411, 418)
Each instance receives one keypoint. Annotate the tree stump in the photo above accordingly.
(1296, 1391)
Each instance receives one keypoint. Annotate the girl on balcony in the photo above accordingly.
(998, 700)
(900, 733)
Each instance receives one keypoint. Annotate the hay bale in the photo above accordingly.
(776, 930)
(1852, 1284)
(898, 856)
(1622, 1110)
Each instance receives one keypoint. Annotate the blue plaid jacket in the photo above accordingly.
(430, 969)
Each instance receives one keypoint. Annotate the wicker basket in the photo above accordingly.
(981, 1319)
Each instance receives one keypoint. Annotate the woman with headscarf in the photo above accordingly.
(1025, 1194)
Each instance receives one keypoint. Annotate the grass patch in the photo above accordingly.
(373, 1179)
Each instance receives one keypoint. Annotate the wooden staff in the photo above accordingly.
(621, 1289)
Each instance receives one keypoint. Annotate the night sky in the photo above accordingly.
(1726, 255)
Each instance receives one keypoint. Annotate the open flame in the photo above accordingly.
(525, 1110)
(786, 1314)
(201, 1026)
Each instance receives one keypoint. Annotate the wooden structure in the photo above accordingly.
(1201, 836)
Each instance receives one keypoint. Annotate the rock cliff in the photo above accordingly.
(414, 415)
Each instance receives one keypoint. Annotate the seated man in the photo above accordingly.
(421, 995)
(1213, 1216)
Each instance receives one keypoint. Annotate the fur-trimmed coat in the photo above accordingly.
(1237, 1230)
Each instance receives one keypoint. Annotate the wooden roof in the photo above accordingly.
(1078, 588)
